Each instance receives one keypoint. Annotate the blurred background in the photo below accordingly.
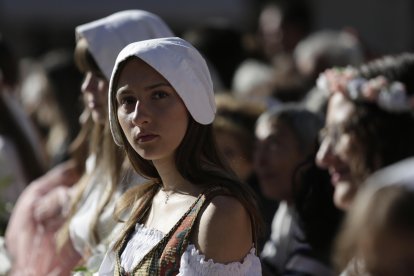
(33, 27)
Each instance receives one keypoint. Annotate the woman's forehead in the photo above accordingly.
(137, 70)
(340, 110)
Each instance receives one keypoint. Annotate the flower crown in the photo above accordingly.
(391, 97)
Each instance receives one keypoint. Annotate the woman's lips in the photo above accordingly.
(146, 138)
(337, 177)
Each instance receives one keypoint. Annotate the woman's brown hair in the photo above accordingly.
(387, 136)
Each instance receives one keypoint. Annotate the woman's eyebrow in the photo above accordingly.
(161, 84)
(122, 90)
(125, 89)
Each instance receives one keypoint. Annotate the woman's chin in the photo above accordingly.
(344, 195)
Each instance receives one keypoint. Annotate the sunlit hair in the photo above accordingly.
(84, 59)
(376, 216)
(109, 157)
(196, 159)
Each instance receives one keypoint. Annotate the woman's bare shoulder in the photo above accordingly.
(224, 232)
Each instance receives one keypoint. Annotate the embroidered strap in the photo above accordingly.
(176, 246)
(171, 256)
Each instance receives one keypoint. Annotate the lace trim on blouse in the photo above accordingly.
(143, 240)
(192, 262)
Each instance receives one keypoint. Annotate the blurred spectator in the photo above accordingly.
(281, 25)
(286, 147)
(22, 158)
(31, 242)
(284, 86)
(51, 95)
(378, 234)
(234, 130)
(322, 50)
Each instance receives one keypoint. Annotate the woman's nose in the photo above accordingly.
(89, 84)
(325, 154)
(141, 114)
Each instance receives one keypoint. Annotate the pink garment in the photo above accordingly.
(30, 243)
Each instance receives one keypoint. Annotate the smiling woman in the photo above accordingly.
(193, 209)
(369, 121)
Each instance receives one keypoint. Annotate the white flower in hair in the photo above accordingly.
(355, 88)
(391, 97)
(394, 98)
(322, 83)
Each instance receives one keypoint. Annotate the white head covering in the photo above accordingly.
(400, 173)
(182, 66)
(107, 36)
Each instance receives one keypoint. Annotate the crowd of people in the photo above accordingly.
(294, 159)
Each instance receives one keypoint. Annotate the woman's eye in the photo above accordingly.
(127, 101)
(159, 95)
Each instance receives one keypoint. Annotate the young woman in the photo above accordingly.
(193, 217)
(370, 124)
(369, 121)
(89, 225)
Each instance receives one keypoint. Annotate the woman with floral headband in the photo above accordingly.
(369, 121)
(193, 217)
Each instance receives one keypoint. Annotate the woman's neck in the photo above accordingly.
(171, 178)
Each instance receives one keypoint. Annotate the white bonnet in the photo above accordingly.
(182, 66)
(397, 174)
(107, 36)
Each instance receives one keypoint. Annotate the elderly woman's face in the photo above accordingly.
(339, 151)
(151, 114)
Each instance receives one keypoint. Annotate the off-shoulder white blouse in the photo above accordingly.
(192, 262)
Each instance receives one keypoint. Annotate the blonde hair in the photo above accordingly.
(108, 170)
